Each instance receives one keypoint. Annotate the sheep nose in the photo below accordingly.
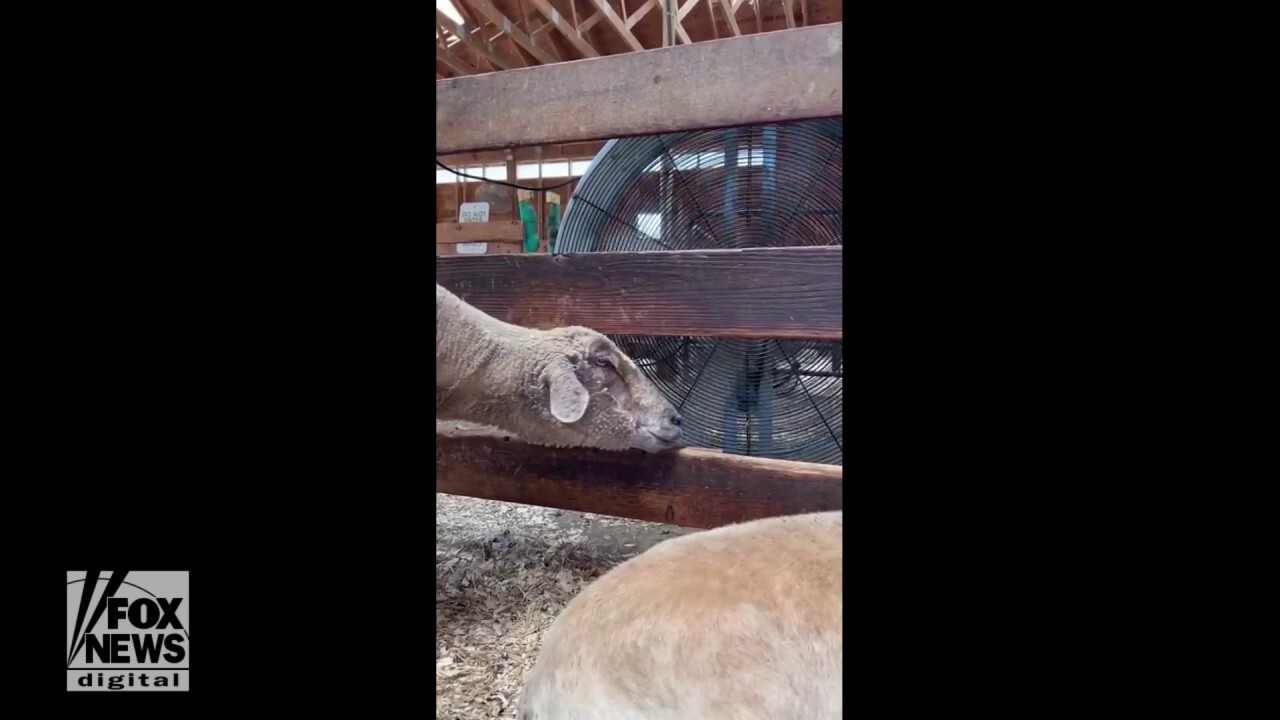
(675, 419)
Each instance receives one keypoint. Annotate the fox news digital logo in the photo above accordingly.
(128, 634)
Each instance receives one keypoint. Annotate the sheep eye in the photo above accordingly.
(601, 362)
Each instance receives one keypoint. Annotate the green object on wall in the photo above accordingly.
(553, 225)
(530, 219)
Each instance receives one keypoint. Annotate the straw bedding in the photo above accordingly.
(503, 572)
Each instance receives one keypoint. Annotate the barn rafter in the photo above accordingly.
(479, 36)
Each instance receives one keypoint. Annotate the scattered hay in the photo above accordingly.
(503, 573)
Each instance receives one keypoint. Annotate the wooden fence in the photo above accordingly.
(751, 293)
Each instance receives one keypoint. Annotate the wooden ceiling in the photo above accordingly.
(509, 34)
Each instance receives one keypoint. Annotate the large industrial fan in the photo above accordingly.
(765, 186)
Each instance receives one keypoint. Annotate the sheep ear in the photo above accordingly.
(568, 397)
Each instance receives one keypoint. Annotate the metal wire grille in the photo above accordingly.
(766, 186)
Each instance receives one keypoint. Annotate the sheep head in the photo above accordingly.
(590, 393)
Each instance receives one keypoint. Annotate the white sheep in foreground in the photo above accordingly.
(742, 622)
(570, 386)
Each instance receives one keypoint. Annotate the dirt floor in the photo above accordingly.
(503, 572)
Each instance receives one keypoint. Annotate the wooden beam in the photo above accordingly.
(804, 13)
(683, 34)
(468, 15)
(572, 151)
(788, 8)
(688, 87)
(524, 15)
(570, 33)
(680, 31)
(728, 15)
(480, 47)
(590, 22)
(454, 63)
(495, 16)
(636, 16)
(479, 232)
(492, 247)
(692, 488)
(533, 34)
(792, 292)
(618, 24)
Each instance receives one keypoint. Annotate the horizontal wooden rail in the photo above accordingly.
(759, 78)
(693, 488)
(790, 292)
(510, 230)
(505, 247)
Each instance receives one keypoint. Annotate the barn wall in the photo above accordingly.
(450, 196)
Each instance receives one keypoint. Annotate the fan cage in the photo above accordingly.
(763, 186)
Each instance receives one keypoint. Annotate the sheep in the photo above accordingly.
(742, 622)
(569, 386)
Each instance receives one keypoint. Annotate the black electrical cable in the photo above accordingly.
(506, 184)
(552, 187)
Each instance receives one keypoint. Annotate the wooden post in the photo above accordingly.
(458, 195)
(540, 208)
(552, 199)
(668, 23)
(511, 178)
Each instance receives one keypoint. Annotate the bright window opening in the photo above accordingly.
(557, 169)
(448, 9)
(708, 160)
(524, 171)
(650, 224)
(488, 172)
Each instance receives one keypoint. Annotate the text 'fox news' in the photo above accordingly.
(127, 631)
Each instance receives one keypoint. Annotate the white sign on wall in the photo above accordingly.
(473, 212)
